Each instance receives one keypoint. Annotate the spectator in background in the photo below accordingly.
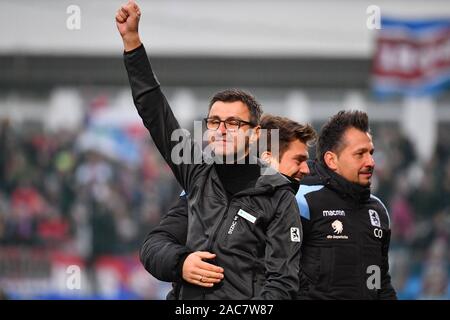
(435, 283)
(402, 215)
(47, 202)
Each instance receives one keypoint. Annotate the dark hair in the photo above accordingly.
(233, 95)
(289, 130)
(332, 133)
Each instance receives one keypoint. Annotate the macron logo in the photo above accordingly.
(332, 213)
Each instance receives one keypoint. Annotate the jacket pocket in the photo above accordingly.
(345, 271)
(258, 284)
(243, 220)
(310, 264)
(326, 256)
(241, 236)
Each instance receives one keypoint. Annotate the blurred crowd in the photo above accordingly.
(57, 197)
(54, 196)
(418, 199)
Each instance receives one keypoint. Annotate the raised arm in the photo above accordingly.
(151, 103)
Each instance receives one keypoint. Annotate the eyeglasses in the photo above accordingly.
(230, 123)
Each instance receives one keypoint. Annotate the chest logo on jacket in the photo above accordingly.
(374, 218)
(338, 228)
(332, 213)
(295, 234)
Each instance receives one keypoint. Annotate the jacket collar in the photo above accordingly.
(334, 181)
(270, 180)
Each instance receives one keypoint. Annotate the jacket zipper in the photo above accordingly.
(216, 230)
(214, 236)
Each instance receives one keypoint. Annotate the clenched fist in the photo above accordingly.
(127, 22)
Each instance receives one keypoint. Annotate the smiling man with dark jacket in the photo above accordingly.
(249, 221)
(164, 252)
(346, 228)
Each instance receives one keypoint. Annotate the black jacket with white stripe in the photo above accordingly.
(346, 239)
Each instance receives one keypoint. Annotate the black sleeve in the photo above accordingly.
(387, 292)
(282, 256)
(159, 119)
(163, 251)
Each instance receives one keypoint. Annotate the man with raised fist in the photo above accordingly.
(248, 222)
